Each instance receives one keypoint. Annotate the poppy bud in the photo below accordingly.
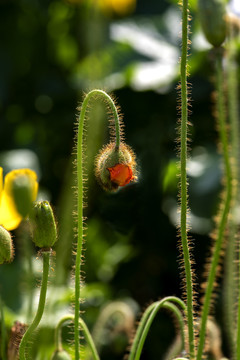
(213, 17)
(6, 247)
(43, 225)
(115, 166)
(61, 355)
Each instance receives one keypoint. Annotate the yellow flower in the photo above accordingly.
(10, 216)
(118, 7)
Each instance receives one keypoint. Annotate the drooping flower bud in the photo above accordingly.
(213, 18)
(43, 225)
(6, 247)
(61, 355)
(115, 167)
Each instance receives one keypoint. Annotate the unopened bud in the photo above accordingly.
(6, 247)
(115, 167)
(61, 355)
(212, 14)
(43, 225)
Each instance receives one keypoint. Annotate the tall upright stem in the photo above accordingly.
(226, 203)
(82, 118)
(183, 180)
(231, 286)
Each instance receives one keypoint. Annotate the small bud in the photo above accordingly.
(61, 355)
(115, 167)
(43, 225)
(6, 247)
(213, 18)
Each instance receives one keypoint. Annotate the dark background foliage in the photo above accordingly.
(51, 53)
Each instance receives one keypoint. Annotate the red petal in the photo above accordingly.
(121, 174)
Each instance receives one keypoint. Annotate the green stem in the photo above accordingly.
(183, 181)
(3, 332)
(226, 205)
(146, 322)
(181, 323)
(89, 339)
(58, 330)
(231, 250)
(30, 276)
(41, 305)
(82, 118)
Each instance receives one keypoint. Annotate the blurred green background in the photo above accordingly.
(51, 53)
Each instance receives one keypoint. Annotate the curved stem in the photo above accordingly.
(89, 339)
(87, 335)
(183, 180)
(225, 209)
(179, 316)
(58, 330)
(146, 322)
(82, 117)
(41, 305)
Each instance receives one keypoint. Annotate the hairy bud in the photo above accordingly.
(6, 247)
(43, 225)
(115, 166)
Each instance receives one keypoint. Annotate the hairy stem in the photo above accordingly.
(87, 335)
(58, 330)
(226, 204)
(82, 117)
(183, 180)
(230, 283)
(41, 305)
(89, 339)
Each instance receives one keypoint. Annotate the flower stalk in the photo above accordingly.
(41, 305)
(221, 115)
(183, 181)
(114, 154)
(150, 313)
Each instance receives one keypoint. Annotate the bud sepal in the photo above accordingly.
(6, 246)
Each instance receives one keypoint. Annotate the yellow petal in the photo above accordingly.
(9, 217)
(1, 180)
